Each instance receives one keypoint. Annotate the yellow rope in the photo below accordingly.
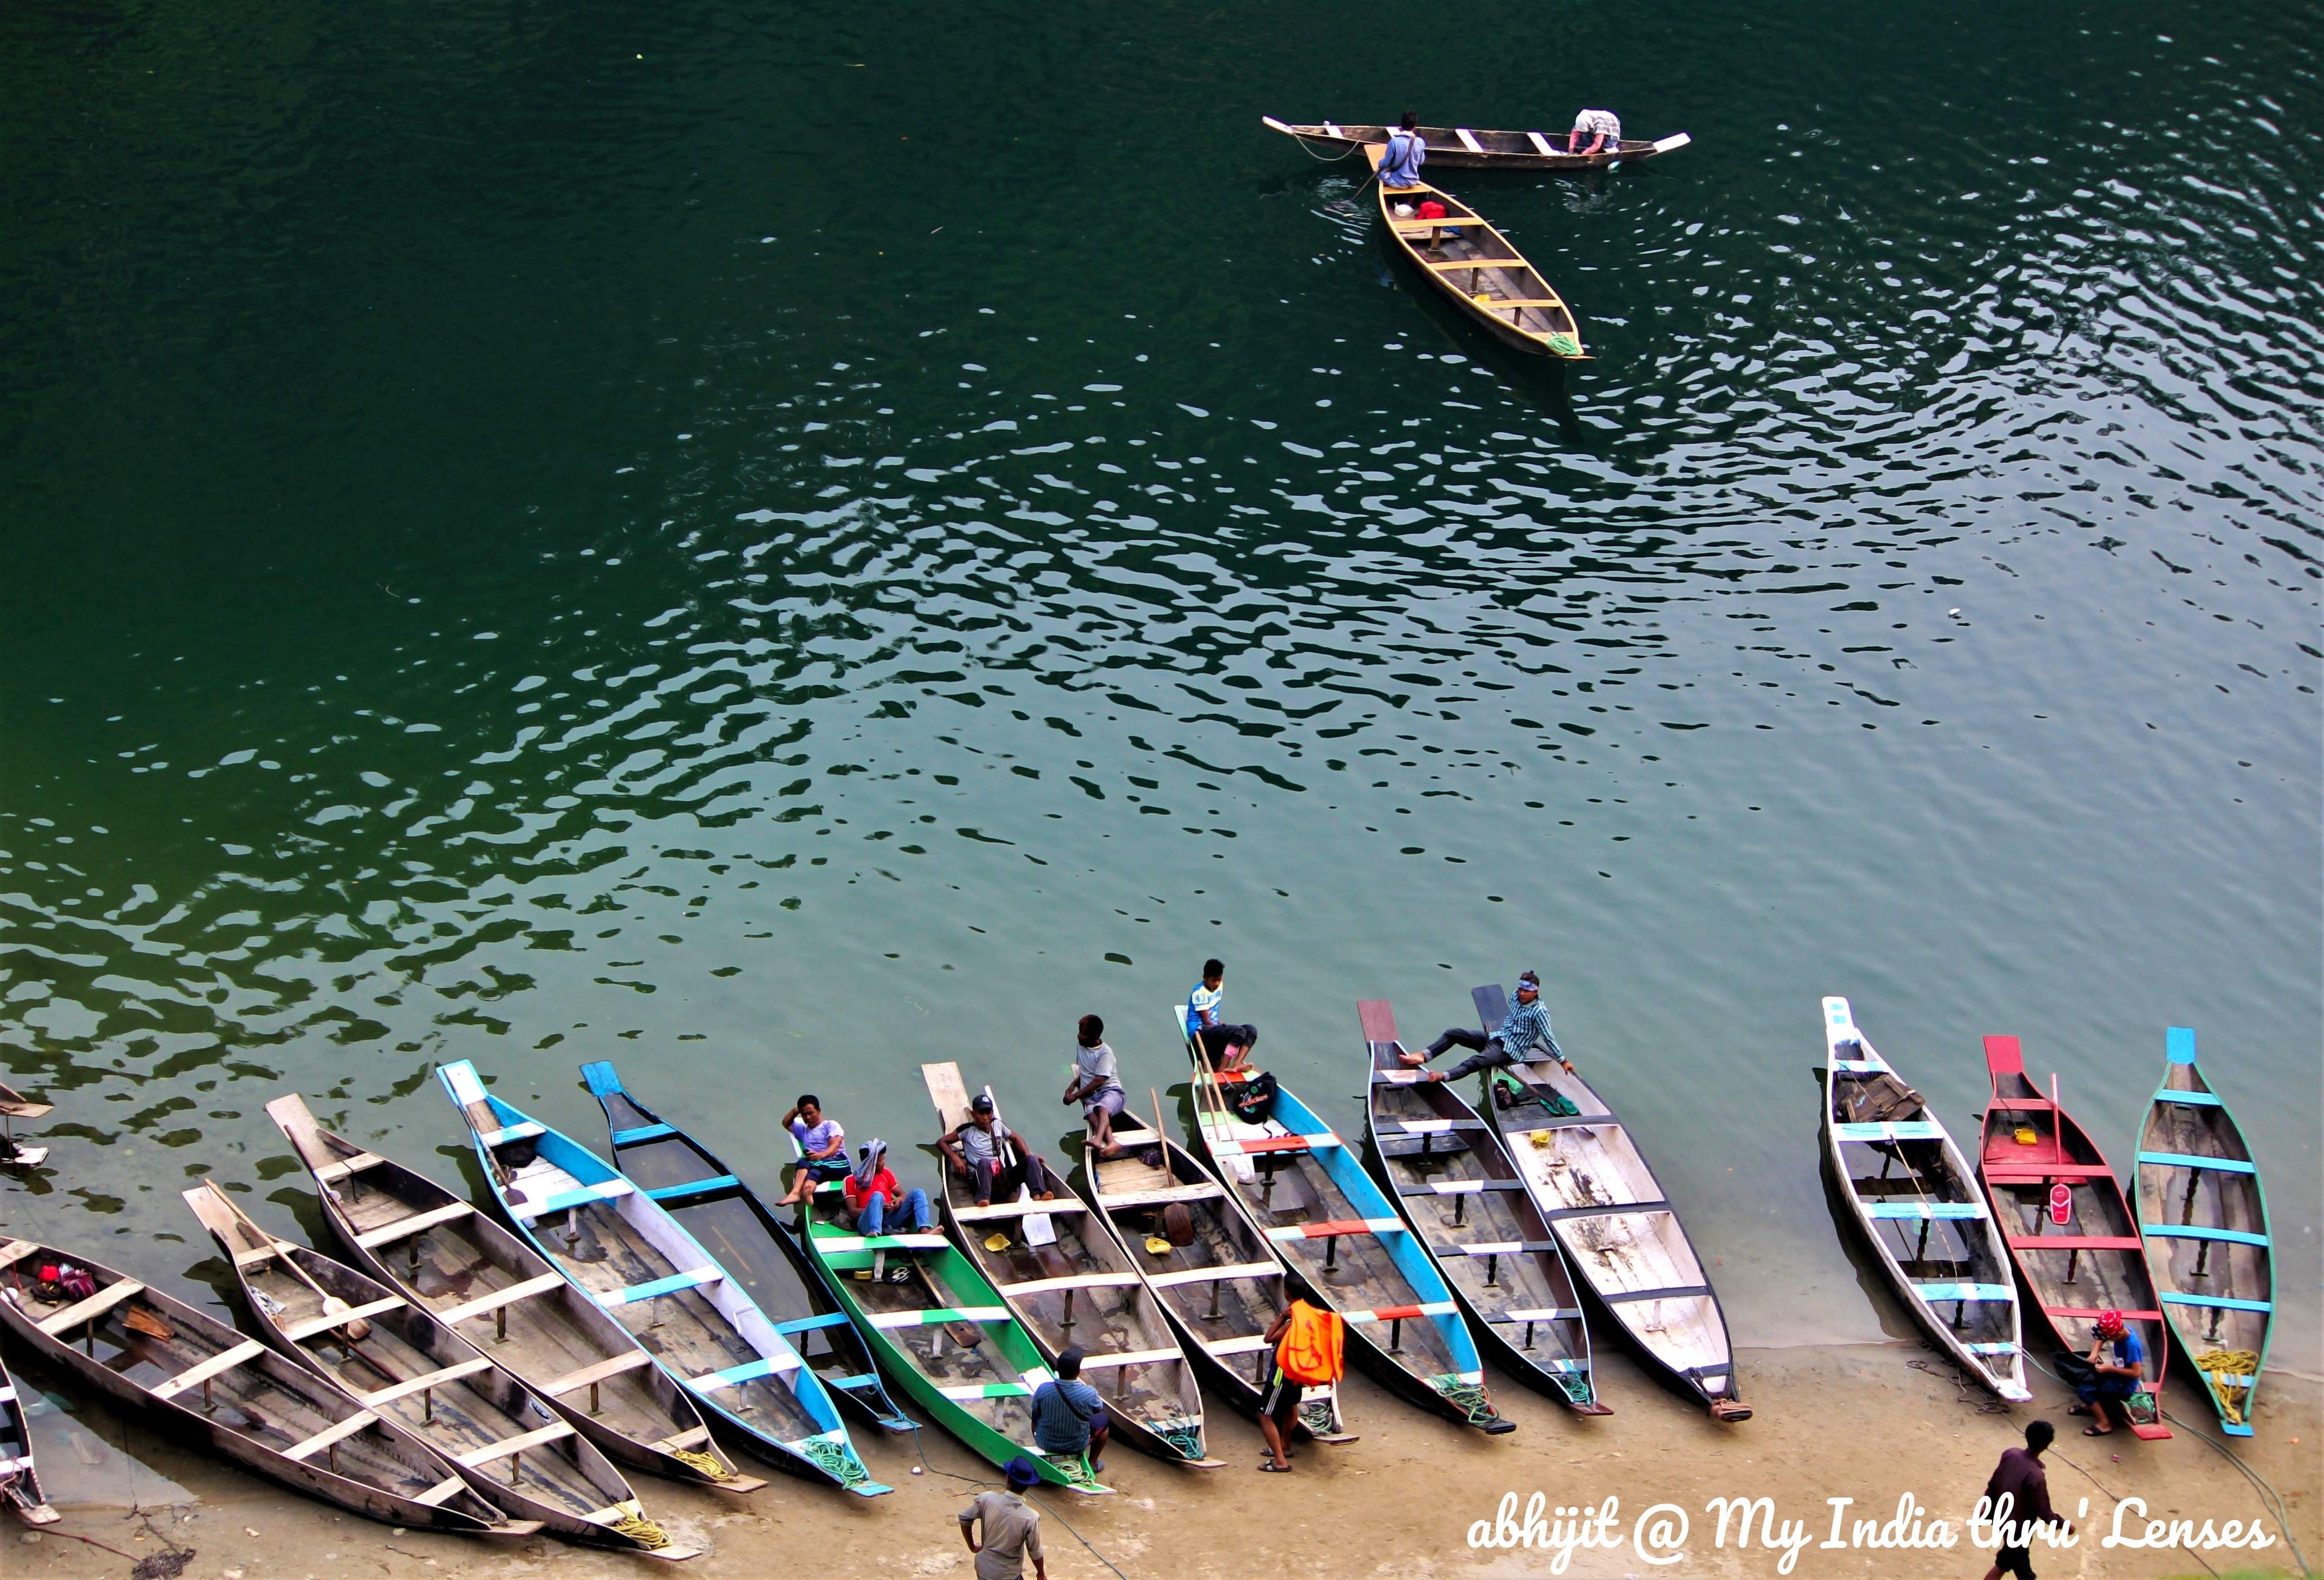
(2219, 1365)
(704, 1463)
(639, 1530)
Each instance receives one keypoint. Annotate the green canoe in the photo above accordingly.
(943, 1333)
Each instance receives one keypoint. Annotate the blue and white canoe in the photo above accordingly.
(619, 1245)
(1308, 1193)
(1915, 1198)
(2204, 1218)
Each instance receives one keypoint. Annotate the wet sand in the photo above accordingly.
(1861, 1422)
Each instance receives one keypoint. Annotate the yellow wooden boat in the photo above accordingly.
(1477, 267)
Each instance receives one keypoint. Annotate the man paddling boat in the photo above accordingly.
(1526, 1028)
(1407, 150)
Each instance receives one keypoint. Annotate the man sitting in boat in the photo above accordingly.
(1602, 128)
(1527, 1029)
(1096, 1084)
(2106, 1392)
(993, 1159)
(872, 1193)
(1407, 150)
(1069, 1418)
(823, 1148)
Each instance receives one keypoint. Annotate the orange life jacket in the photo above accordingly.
(1310, 1352)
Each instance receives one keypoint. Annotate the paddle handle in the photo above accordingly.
(279, 1249)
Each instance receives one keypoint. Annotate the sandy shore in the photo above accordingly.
(1861, 1422)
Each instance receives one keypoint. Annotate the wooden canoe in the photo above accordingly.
(209, 1387)
(1310, 1196)
(1221, 1292)
(718, 1208)
(936, 1324)
(510, 1447)
(1459, 1189)
(1465, 148)
(622, 1248)
(410, 1233)
(1481, 272)
(2204, 1218)
(1921, 1211)
(1070, 1283)
(2068, 1224)
(1622, 1236)
(20, 1478)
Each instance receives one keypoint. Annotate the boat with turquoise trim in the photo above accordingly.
(619, 1247)
(1920, 1210)
(2204, 1218)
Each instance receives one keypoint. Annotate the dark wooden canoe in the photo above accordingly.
(2067, 1224)
(1622, 1236)
(1481, 272)
(718, 1208)
(2204, 1218)
(1464, 148)
(1460, 1190)
(20, 1479)
(209, 1386)
(1223, 1290)
(512, 1449)
(410, 1233)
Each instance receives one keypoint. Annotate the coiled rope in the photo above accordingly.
(1466, 1397)
(1184, 1439)
(634, 1525)
(701, 1462)
(834, 1460)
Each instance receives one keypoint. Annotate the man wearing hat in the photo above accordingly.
(1012, 1527)
(1526, 1028)
(993, 1159)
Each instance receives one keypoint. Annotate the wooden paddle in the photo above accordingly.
(356, 1331)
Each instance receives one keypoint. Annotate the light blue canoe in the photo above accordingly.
(619, 1245)
(1330, 1221)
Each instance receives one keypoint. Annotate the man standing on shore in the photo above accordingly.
(1012, 1528)
(2017, 1495)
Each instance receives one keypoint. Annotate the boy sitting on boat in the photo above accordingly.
(1224, 1047)
(994, 1158)
(823, 1148)
(1526, 1028)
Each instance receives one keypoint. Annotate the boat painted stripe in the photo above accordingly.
(1378, 1226)
(2000, 1347)
(1080, 1281)
(1540, 144)
(2198, 1232)
(8, 1396)
(2188, 1160)
(2222, 1302)
(2204, 1099)
(2179, 1044)
(518, 1132)
(694, 1188)
(1994, 1293)
(803, 1324)
(1536, 1314)
(639, 1133)
(1493, 1248)
(1268, 1143)
(587, 1196)
(878, 1242)
(1435, 1126)
(937, 1315)
(1464, 1187)
(1400, 1313)
(2091, 1314)
(1672, 144)
(962, 1394)
(1926, 1210)
(2075, 1242)
(1468, 139)
(1857, 1067)
(661, 1286)
(859, 1380)
(2009, 1173)
(1900, 1130)
(1215, 1274)
(747, 1372)
(1151, 1357)
(1249, 1345)
(1669, 1293)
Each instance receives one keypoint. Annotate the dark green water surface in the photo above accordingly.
(771, 545)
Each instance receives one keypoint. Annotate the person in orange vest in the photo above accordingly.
(1308, 1352)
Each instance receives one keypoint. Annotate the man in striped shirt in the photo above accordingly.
(1525, 1029)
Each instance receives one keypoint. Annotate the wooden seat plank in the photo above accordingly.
(330, 1435)
(404, 1228)
(96, 1306)
(477, 1458)
(425, 1381)
(1166, 1281)
(298, 1331)
(1081, 1280)
(573, 1381)
(217, 1366)
(484, 1305)
(353, 1166)
(1152, 1358)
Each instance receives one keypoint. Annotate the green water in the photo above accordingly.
(775, 547)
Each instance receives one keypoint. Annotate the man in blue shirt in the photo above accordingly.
(1068, 1416)
(1211, 1036)
(2105, 1394)
(1407, 150)
(1526, 1028)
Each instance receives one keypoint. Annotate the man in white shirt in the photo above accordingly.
(1603, 128)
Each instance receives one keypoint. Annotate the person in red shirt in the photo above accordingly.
(872, 1195)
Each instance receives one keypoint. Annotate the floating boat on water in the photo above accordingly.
(1922, 1211)
(2204, 1219)
(619, 1247)
(2068, 1224)
(1459, 1189)
(410, 1233)
(199, 1380)
(15, 1105)
(1219, 1291)
(720, 1209)
(935, 1323)
(1310, 1196)
(1479, 271)
(1622, 1236)
(394, 1357)
(1464, 147)
(20, 1478)
(1070, 1283)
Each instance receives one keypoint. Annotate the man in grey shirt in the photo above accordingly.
(1012, 1528)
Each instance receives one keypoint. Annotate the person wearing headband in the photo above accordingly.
(1525, 1029)
(872, 1193)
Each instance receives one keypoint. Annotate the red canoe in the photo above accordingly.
(2070, 1228)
